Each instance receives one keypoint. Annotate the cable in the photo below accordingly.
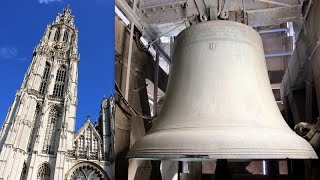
(167, 32)
(135, 112)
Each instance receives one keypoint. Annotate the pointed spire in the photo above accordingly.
(67, 10)
(65, 17)
(89, 118)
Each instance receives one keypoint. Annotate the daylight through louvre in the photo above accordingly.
(38, 138)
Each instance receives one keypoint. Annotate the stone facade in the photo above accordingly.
(38, 138)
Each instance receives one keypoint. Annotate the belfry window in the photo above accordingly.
(59, 84)
(50, 136)
(57, 35)
(65, 36)
(44, 172)
(44, 79)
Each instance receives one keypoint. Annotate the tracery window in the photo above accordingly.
(59, 84)
(87, 172)
(57, 35)
(50, 136)
(44, 172)
(65, 36)
(88, 143)
(36, 116)
(81, 143)
(88, 138)
(44, 79)
(95, 144)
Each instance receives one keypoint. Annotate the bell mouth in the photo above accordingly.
(231, 143)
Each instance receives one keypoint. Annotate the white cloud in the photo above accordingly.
(11, 53)
(8, 52)
(48, 1)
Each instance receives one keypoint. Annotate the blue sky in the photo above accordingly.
(23, 23)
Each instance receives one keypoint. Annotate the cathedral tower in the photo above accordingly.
(38, 138)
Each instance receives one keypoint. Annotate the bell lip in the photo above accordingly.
(232, 157)
(191, 156)
(154, 146)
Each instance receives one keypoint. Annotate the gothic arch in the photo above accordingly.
(44, 78)
(86, 171)
(60, 81)
(88, 139)
(51, 131)
(44, 171)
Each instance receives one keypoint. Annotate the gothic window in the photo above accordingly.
(44, 79)
(57, 35)
(59, 84)
(65, 36)
(24, 172)
(95, 145)
(50, 136)
(88, 138)
(87, 172)
(44, 172)
(36, 116)
(81, 143)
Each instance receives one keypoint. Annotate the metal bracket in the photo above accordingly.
(213, 13)
(168, 6)
(202, 10)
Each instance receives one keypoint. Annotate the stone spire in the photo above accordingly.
(65, 17)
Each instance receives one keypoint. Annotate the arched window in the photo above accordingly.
(95, 144)
(81, 143)
(44, 172)
(44, 79)
(36, 116)
(88, 138)
(59, 84)
(24, 172)
(50, 138)
(87, 172)
(65, 36)
(57, 35)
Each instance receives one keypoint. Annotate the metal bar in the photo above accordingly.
(155, 84)
(273, 30)
(275, 2)
(278, 54)
(130, 55)
(308, 9)
(314, 50)
(125, 8)
(165, 56)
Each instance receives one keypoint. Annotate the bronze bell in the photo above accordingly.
(219, 103)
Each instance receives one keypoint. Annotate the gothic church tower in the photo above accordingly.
(39, 126)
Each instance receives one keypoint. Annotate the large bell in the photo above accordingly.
(219, 103)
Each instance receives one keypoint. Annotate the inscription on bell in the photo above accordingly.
(212, 46)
